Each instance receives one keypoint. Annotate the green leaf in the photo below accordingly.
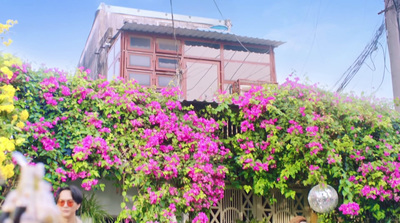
(247, 188)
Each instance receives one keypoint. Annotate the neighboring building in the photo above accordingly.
(199, 55)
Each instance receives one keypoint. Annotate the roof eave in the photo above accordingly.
(201, 34)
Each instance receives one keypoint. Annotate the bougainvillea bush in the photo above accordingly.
(179, 159)
(138, 137)
(298, 135)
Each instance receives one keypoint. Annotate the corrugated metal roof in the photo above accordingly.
(202, 34)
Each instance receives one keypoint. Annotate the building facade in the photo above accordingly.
(199, 55)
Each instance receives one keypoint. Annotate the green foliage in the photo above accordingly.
(179, 157)
(296, 135)
(90, 208)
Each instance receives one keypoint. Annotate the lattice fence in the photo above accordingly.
(239, 205)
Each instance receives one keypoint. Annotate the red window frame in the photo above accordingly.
(129, 47)
(169, 58)
(172, 75)
(128, 64)
(150, 74)
(178, 44)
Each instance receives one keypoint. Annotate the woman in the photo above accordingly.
(69, 200)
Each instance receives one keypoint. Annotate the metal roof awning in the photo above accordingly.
(197, 33)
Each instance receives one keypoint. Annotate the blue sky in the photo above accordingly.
(322, 37)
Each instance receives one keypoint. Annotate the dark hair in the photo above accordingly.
(77, 195)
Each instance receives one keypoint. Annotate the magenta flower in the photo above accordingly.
(351, 208)
(200, 218)
(312, 167)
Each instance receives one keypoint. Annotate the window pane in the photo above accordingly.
(167, 63)
(241, 54)
(200, 49)
(164, 81)
(141, 61)
(142, 79)
(140, 42)
(169, 45)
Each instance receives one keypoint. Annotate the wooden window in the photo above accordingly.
(139, 60)
(140, 43)
(166, 80)
(168, 46)
(142, 78)
(167, 63)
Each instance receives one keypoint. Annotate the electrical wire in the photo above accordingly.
(241, 64)
(384, 69)
(173, 20)
(205, 73)
(178, 76)
(349, 74)
(373, 64)
(216, 5)
(223, 17)
(237, 39)
(314, 36)
(241, 44)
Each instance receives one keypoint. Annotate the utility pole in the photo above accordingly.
(393, 41)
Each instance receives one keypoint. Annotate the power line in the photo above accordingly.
(384, 69)
(216, 5)
(241, 44)
(237, 39)
(172, 17)
(178, 72)
(314, 36)
(349, 74)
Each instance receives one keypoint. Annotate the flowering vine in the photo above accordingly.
(179, 159)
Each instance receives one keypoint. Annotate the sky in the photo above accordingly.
(322, 38)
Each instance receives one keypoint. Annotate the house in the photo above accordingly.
(199, 55)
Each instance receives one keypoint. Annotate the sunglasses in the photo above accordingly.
(61, 203)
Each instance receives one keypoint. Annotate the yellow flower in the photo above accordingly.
(24, 115)
(8, 145)
(7, 171)
(7, 43)
(19, 141)
(11, 60)
(20, 125)
(7, 108)
(7, 72)
(9, 91)
(14, 118)
(4, 28)
(2, 156)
